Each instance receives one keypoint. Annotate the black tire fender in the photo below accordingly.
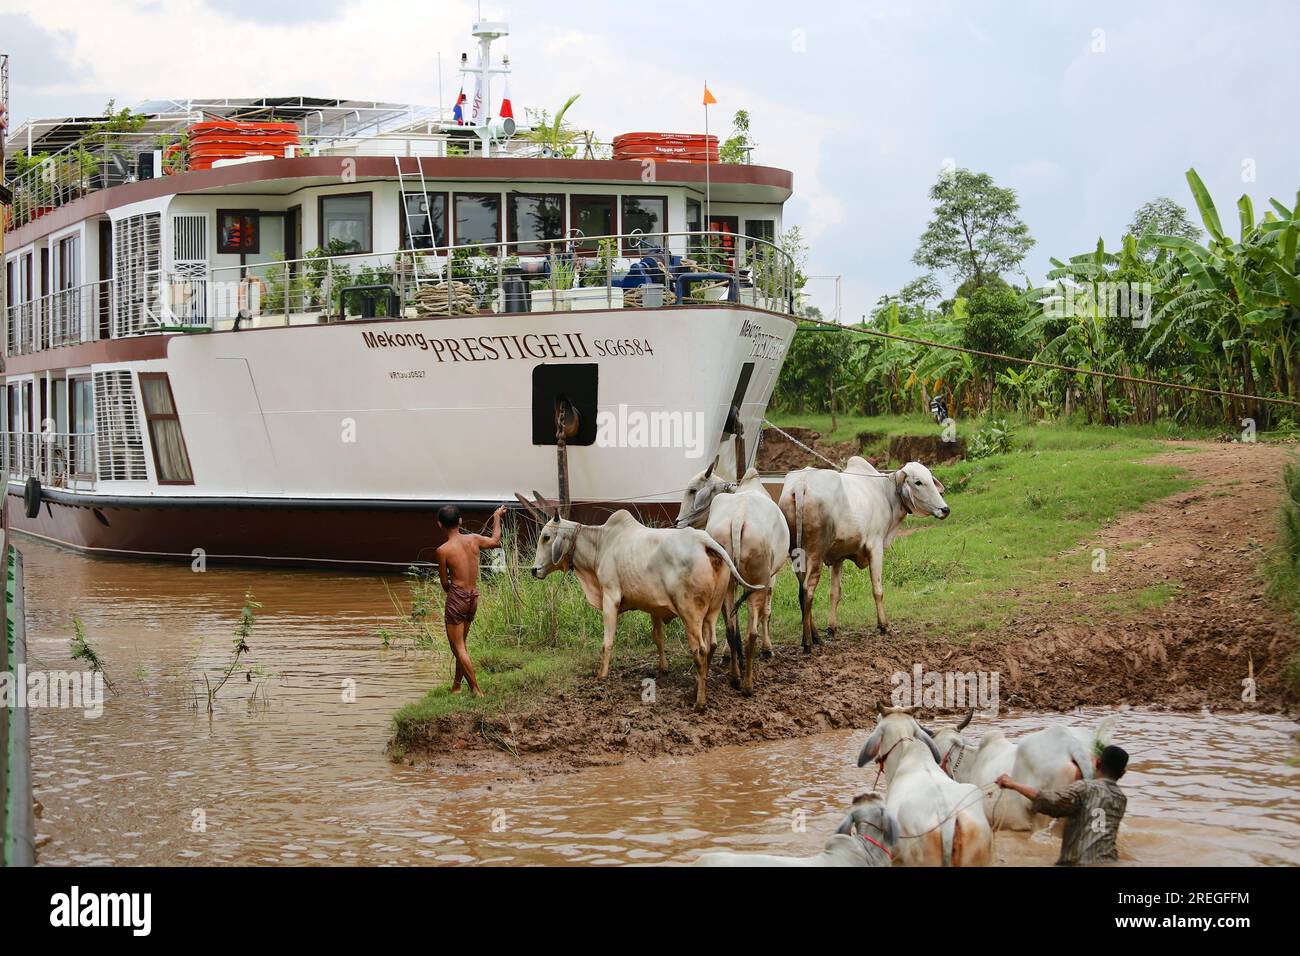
(32, 497)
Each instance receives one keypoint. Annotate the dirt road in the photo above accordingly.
(1203, 547)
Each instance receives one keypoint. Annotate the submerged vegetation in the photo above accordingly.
(238, 661)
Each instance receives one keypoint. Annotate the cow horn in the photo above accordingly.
(965, 721)
(532, 508)
(547, 508)
(709, 472)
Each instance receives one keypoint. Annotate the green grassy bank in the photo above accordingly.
(957, 579)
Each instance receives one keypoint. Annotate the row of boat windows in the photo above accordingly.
(103, 408)
(533, 220)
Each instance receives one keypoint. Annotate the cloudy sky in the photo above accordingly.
(1085, 109)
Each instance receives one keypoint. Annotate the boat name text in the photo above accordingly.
(485, 348)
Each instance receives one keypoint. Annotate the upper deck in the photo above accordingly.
(100, 248)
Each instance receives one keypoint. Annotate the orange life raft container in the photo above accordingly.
(667, 147)
(228, 139)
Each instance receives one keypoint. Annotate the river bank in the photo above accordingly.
(1177, 617)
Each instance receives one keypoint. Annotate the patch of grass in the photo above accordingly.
(956, 579)
(1146, 599)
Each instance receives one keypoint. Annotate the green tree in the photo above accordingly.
(976, 232)
(1162, 216)
(733, 149)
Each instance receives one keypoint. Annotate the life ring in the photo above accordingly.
(32, 497)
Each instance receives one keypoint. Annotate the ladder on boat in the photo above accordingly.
(406, 212)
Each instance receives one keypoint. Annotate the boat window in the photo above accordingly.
(237, 231)
(594, 216)
(424, 225)
(67, 263)
(764, 229)
(534, 217)
(648, 214)
(478, 218)
(170, 459)
(82, 426)
(346, 220)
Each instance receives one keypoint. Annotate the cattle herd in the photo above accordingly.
(732, 532)
(941, 804)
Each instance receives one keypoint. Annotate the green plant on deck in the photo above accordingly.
(600, 269)
(83, 650)
(552, 134)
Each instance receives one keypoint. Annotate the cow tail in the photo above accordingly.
(800, 576)
(731, 566)
(948, 834)
(733, 612)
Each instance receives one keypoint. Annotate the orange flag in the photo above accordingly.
(708, 97)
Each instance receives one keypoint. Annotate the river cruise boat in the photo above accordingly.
(289, 330)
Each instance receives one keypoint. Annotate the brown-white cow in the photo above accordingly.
(852, 515)
(625, 566)
(743, 518)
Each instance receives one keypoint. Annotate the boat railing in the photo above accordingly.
(100, 161)
(65, 317)
(59, 459)
(617, 271)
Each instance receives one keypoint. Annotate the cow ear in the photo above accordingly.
(557, 549)
(900, 478)
(938, 485)
(890, 829)
(871, 747)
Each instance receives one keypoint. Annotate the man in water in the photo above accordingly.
(1093, 810)
(458, 572)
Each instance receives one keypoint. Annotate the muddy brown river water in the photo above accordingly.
(297, 775)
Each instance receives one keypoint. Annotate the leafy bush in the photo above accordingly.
(993, 439)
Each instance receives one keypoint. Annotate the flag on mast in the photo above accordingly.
(458, 111)
(708, 190)
(506, 109)
(476, 106)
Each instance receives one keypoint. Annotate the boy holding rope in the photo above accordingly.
(458, 572)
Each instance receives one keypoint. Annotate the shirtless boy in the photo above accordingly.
(458, 572)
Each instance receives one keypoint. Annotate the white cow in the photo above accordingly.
(1048, 759)
(851, 515)
(743, 518)
(625, 566)
(867, 837)
(940, 821)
